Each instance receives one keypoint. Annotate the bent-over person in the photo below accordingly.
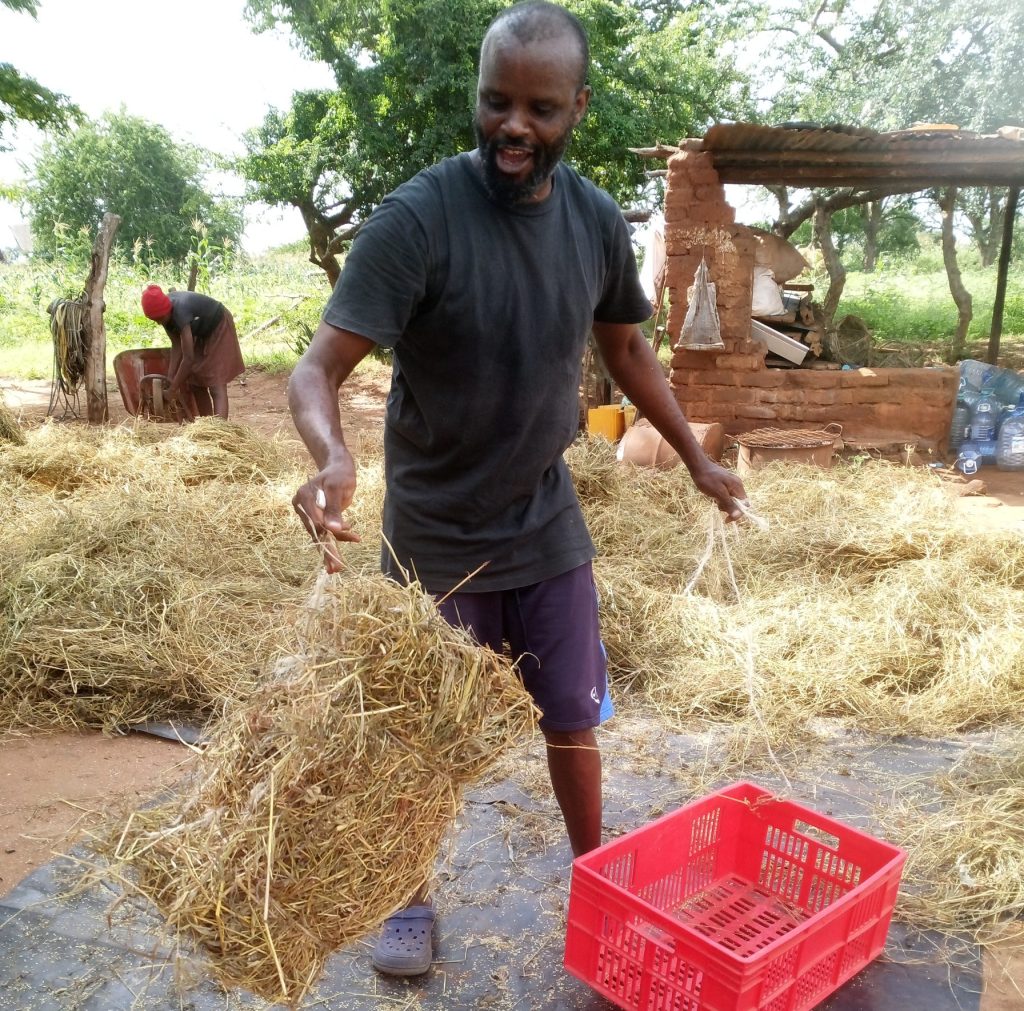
(205, 355)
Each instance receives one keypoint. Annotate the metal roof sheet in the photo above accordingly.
(810, 155)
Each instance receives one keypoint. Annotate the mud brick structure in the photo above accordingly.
(733, 385)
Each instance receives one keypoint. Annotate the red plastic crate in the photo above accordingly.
(738, 901)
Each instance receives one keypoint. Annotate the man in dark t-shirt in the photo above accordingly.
(485, 274)
(205, 355)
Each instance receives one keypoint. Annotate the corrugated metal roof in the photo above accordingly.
(810, 155)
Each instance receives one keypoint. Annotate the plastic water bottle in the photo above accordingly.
(985, 417)
(1013, 387)
(968, 459)
(987, 451)
(960, 426)
(1010, 445)
(1006, 385)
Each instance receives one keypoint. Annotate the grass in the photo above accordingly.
(905, 301)
(908, 301)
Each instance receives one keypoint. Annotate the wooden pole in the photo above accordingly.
(1002, 271)
(95, 334)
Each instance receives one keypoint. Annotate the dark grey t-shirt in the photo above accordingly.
(488, 310)
(200, 312)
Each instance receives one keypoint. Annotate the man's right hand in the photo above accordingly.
(321, 503)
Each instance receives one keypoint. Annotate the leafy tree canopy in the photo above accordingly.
(892, 63)
(24, 98)
(135, 169)
(406, 74)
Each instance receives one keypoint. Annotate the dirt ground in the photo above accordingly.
(52, 784)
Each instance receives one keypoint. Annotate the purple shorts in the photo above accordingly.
(551, 630)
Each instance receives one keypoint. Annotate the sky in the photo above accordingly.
(193, 66)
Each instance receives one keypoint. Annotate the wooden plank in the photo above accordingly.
(892, 178)
(778, 343)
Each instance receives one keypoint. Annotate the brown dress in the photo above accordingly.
(218, 357)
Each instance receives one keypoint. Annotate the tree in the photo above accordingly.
(132, 168)
(406, 78)
(984, 210)
(887, 225)
(24, 98)
(959, 62)
(888, 64)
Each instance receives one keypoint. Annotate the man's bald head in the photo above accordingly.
(540, 21)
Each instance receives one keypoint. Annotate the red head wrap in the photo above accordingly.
(155, 304)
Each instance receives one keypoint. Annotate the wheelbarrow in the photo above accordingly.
(142, 377)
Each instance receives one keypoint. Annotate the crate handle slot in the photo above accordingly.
(819, 835)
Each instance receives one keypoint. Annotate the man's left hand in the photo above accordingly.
(721, 485)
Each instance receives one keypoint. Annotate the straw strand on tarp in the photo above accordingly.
(717, 532)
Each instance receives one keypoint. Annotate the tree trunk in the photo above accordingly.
(872, 226)
(95, 334)
(321, 247)
(834, 266)
(961, 296)
(193, 275)
(986, 224)
(999, 301)
(781, 226)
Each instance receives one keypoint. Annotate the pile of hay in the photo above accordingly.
(320, 803)
(65, 458)
(145, 572)
(866, 600)
(965, 863)
(10, 430)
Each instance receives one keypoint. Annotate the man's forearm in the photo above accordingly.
(313, 402)
(638, 373)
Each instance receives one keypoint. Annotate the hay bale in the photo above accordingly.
(321, 801)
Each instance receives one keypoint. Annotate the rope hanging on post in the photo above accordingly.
(70, 346)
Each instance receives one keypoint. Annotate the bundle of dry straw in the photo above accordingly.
(319, 806)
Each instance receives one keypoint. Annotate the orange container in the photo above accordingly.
(739, 901)
(607, 420)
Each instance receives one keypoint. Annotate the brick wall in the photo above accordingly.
(733, 386)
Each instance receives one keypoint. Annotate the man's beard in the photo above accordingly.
(508, 191)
